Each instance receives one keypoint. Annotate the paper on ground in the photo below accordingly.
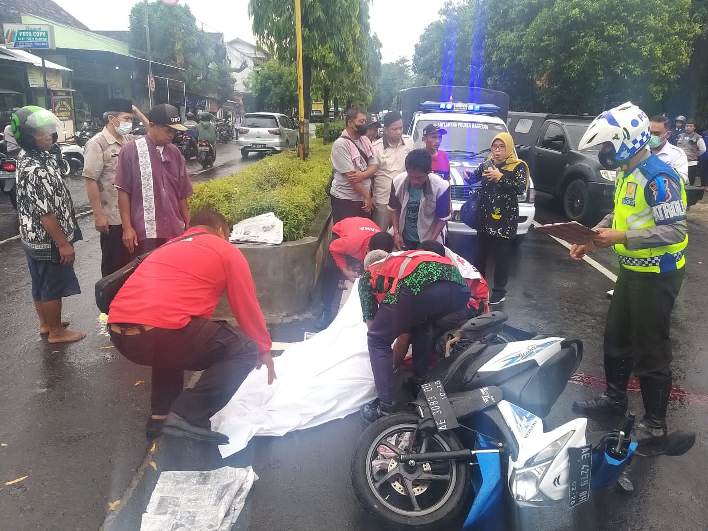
(198, 500)
(266, 228)
(324, 378)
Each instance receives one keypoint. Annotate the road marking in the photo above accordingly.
(81, 214)
(594, 263)
(13, 238)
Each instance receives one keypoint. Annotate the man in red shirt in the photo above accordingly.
(353, 238)
(160, 318)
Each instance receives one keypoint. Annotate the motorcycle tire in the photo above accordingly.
(446, 516)
(65, 168)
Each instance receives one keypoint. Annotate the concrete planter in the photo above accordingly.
(285, 276)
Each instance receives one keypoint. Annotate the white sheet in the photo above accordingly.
(324, 378)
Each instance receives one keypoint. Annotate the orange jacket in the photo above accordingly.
(354, 237)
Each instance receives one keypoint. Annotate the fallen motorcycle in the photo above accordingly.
(474, 440)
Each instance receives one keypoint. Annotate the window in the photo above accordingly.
(523, 126)
(553, 138)
(285, 122)
(260, 121)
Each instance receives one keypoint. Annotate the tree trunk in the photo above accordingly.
(336, 108)
(307, 83)
(325, 118)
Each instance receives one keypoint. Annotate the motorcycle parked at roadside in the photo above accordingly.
(73, 154)
(186, 144)
(224, 131)
(207, 154)
(85, 134)
(474, 443)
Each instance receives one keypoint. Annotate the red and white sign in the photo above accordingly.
(151, 83)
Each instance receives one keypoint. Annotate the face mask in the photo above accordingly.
(655, 141)
(125, 127)
(607, 159)
(361, 129)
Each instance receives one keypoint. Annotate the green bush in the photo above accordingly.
(333, 132)
(293, 189)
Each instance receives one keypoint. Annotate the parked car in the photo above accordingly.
(549, 144)
(266, 132)
(470, 127)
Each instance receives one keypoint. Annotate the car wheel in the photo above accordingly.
(576, 200)
(244, 154)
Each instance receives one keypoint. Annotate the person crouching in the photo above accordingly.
(404, 292)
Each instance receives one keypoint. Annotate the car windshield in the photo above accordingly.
(576, 132)
(260, 121)
(462, 136)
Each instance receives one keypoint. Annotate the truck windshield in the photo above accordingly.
(463, 137)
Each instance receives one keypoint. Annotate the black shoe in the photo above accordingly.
(153, 428)
(653, 439)
(602, 405)
(376, 409)
(496, 298)
(178, 427)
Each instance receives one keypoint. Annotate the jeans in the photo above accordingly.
(224, 354)
(415, 314)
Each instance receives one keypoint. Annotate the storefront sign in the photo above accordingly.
(63, 108)
(29, 36)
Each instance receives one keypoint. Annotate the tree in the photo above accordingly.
(394, 77)
(175, 39)
(333, 38)
(274, 86)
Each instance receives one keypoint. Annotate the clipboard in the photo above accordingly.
(571, 232)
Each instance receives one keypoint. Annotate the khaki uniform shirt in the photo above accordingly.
(100, 163)
(392, 162)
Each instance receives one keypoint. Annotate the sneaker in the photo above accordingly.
(496, 298)
(603, 404)
(654, 440)
(153, 428)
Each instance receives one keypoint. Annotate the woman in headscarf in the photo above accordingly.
(504, 177)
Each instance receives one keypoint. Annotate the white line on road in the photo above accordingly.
(17, 236)
(594, 263)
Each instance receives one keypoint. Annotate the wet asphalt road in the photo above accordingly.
(72, 417)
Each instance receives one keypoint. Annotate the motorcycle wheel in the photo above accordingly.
(64, 167)
(429, 496)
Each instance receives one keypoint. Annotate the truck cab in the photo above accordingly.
(470, 130)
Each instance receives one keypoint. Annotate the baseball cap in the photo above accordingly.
(166, 115)
(432, 129)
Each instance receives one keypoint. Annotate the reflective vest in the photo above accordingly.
(632, 212)
(386, 273)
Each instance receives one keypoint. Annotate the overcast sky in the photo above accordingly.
(398, 23)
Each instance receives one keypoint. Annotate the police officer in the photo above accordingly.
(648, 231)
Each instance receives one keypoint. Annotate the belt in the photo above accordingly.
(129, 329)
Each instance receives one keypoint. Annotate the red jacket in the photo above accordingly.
(354, 236)
(398, 266)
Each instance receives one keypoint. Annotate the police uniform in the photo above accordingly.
(650, 207)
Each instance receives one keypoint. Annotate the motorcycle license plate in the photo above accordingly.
(441, 408)
(580, 460)
(258, 146)
(203, 148)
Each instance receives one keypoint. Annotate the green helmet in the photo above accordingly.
(30, 121)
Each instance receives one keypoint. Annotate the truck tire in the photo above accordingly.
(576, 200)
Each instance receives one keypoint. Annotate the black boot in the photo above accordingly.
(376, 409)
(614, 400)
(651, 432)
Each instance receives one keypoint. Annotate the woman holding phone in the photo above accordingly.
(504, 177)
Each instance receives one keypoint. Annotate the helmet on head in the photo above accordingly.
(31, 121)
(190, 116)
(625, 128)
(680, 118)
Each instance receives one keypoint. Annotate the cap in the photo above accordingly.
(432, 129)
(119, 105)
(391, 117)
(373, 123)
(167, 115)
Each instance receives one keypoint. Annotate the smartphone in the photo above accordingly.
(487, 165)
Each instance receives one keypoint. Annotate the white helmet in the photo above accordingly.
(626, 127)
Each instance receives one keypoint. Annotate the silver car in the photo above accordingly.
(266, 132)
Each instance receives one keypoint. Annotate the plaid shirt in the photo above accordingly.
(41, 191)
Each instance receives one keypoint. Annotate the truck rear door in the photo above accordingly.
(549, 155)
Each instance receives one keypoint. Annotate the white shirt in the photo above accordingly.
(674, 157)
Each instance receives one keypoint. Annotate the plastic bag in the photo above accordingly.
(266, 228)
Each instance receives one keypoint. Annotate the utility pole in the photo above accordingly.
(302, 147)
(149, 53)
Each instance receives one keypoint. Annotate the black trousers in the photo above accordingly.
(114, 254)
(224, 354)
(500, 250)
(692, 174)
(149, 244)
(416, 314)
(638, 329)
(344, 208)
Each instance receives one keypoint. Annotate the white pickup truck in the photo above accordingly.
(470, 131)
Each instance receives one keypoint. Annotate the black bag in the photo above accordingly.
(469, 212)
(107, 288)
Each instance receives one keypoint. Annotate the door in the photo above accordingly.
(288, 131)
(549, 154)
